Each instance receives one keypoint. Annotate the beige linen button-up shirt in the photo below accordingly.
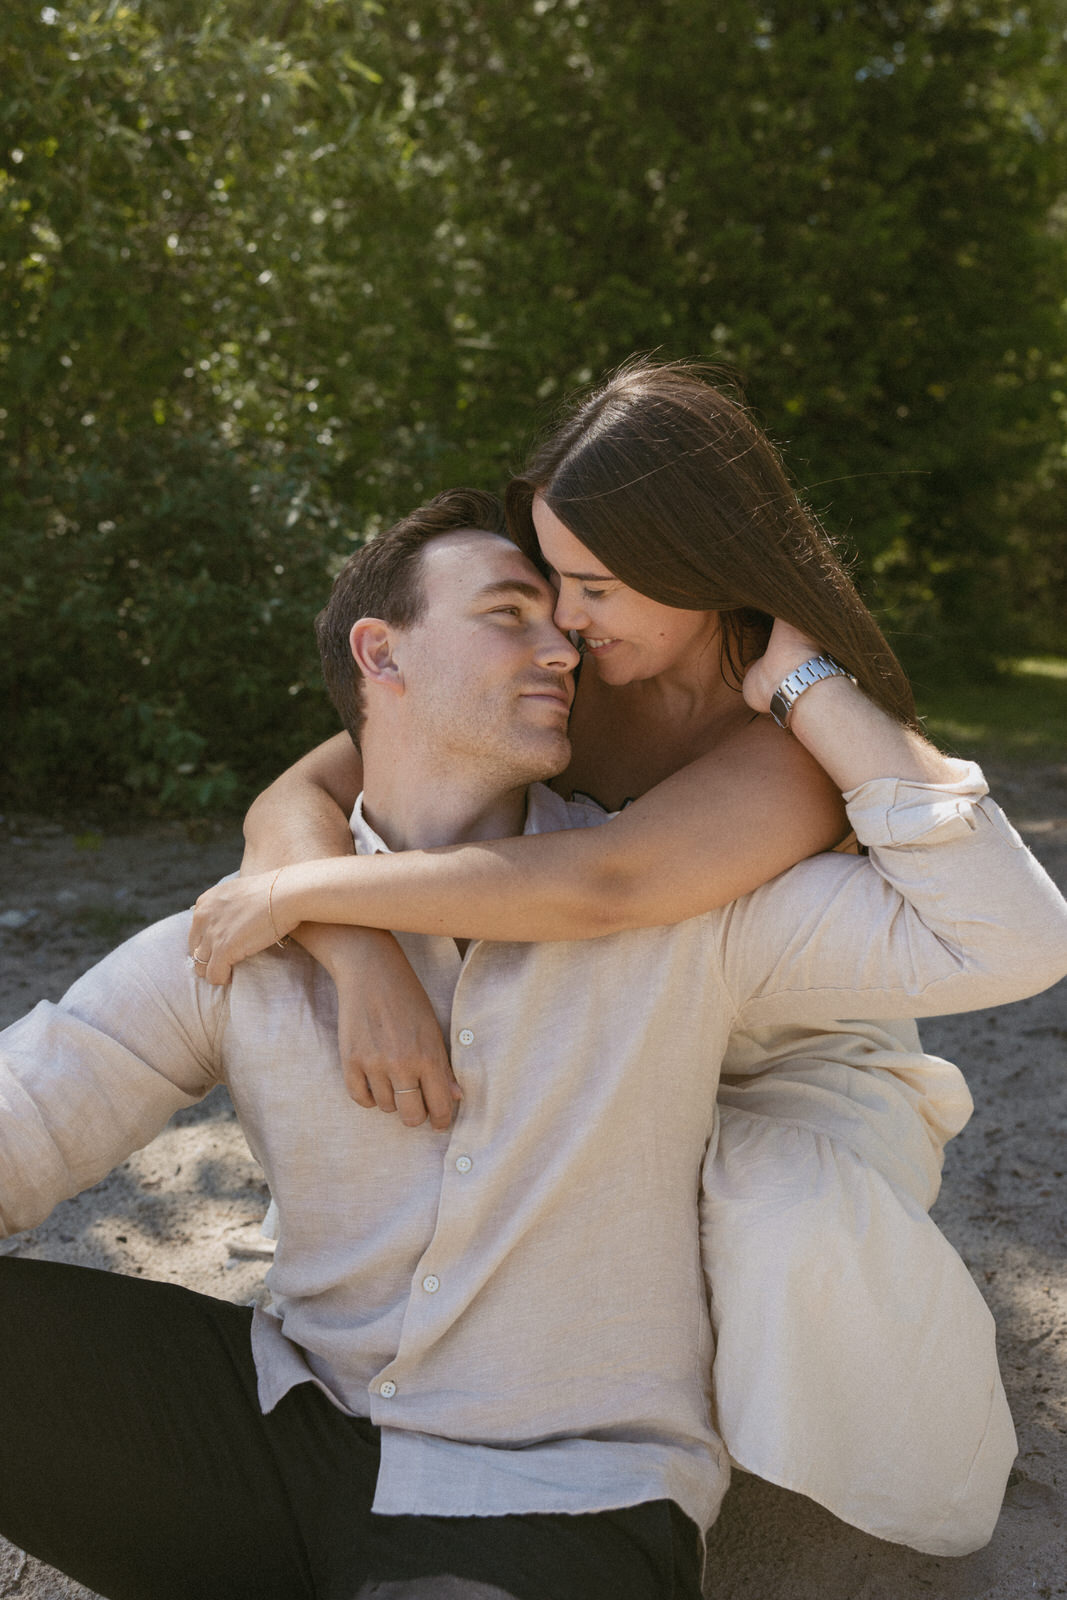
(519, 1301)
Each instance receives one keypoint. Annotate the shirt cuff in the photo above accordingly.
(902, 811)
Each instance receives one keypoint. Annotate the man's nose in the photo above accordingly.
(556, 651)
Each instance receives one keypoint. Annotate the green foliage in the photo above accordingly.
(157, 616)
(326, 253)
(845, 203)
(1018, 712)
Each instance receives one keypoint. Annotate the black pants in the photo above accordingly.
(135, 1458)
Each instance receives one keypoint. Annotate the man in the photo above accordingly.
(484, 1368)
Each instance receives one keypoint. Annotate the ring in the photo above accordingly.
(199, 961)
(407, 1091)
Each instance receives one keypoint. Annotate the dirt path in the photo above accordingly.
(187, 1209)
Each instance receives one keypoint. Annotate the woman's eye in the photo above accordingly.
(593, 594)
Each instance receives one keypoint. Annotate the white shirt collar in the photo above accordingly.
(546, 812)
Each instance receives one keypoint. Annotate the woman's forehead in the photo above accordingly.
(563, 551)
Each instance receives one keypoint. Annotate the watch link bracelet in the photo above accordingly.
(793, 685)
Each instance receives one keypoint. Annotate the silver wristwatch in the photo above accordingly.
(792, 687)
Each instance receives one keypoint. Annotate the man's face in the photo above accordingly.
(488, 677)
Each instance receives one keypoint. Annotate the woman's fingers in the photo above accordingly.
(440, 1092)
(231, 922)
(219, 968)
(410, 1106)
(434, 1095)
(403, 1098)
(215, 968)
(392, 1052)
(358, 1088)
(207, 957)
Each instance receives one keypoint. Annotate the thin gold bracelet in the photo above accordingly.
(281, 943)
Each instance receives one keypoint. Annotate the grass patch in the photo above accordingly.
(1018, 715)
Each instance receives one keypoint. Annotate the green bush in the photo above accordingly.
(157, 618)
(369, 248)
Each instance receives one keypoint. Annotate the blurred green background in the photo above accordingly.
(272, 273)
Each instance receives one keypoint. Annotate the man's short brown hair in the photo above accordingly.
(384, 579)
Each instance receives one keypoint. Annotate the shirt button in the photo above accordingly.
(466, 1036)
(431, 1284)
(463, 1163)
(387, 1389)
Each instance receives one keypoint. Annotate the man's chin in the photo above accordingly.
(551, 758)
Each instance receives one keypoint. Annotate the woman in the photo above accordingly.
(664, 517)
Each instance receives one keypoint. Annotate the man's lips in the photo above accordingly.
(561, 697)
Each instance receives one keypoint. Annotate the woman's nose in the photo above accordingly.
(570, 615)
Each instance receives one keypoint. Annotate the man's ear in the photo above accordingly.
(371, 643)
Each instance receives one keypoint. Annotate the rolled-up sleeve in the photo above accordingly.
(950, 912)
(85, 1082)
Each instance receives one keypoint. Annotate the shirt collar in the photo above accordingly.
(546, 812)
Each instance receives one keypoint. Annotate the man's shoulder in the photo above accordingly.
(160, 946)
(155, 957)
(548, 812)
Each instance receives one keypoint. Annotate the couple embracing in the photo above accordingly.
(660, 1202)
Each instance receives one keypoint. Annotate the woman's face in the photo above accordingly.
(629, 636)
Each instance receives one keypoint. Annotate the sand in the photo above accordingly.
(187, 1208)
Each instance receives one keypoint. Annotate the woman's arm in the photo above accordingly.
(304, 814)
(387, 1033)
(981, 926)
(709, 834)
(952, 910)
(388, 1036)
(731, 820)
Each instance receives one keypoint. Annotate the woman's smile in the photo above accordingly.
(655, 638)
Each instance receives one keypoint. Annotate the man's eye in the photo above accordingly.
(507, 611)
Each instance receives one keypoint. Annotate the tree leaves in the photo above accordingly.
(384, 242)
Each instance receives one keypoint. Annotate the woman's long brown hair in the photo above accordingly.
(669, 482)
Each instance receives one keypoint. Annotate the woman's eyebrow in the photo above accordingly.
(588, 577)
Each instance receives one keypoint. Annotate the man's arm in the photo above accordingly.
(950, 912)
(87, 1081)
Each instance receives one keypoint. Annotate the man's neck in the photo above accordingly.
(413, 808)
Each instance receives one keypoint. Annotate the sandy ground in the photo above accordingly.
(187, 1209)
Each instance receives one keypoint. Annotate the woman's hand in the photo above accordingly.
(787, 649)
(235, 920)
(852, 739)
(392, 1051)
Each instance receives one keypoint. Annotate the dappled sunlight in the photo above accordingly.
(186, 1209)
